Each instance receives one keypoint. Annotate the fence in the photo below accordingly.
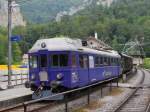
(19, 76)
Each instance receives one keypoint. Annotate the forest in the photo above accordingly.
(123, 21)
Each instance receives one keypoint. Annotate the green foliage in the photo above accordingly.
(3, 48)
(16, 53)
(146, 63)
(122, 21)
(39, 11)
(115, 25)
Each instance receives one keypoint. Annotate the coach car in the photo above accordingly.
(65, 63)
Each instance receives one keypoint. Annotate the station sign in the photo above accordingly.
(15, 38)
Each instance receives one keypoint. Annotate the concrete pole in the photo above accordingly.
(9, 42)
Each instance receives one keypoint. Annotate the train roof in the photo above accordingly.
(67, 44)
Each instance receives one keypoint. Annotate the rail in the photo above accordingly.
(129, 96)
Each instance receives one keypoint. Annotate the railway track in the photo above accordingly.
(138, 100)
(31, 108)
(41, 106)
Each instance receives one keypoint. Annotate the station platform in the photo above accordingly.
(14, 95)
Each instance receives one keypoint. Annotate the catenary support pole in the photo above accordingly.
(9, 41)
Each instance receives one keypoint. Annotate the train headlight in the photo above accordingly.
(33, 76)
(59, 76)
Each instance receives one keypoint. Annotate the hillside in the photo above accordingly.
(17, 18)
(39, 11)
(122, 21)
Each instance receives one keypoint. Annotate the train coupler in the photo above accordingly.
(46, 95)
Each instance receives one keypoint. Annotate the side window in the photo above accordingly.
(96, 61)
(59, 60)
(101, 60)
(112, 61)
(55, 60)
(83, 61)
(91, 62)
(109, 61)
(116, 61)
(105, 60)
(33, 61)
(73, 61)
(63, 60)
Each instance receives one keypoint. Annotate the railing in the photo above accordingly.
(26, 104)
(18, 77)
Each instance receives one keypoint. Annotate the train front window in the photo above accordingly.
(63, 60)
(55, 60)
(43, 61)
(33, 61)
(59, 60)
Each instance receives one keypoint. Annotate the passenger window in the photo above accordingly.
(101, 60)
(83, 61)
(112, 60)
(73, 61)
(63, 60)
(60, 60)
(105, 60)
(115, 61)
(55, 60)
(112, 63)
(96, 61)
(33, 61)
(109, 61)
(91, 62)
(43, 60)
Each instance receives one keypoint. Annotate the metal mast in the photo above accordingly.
(9, 41)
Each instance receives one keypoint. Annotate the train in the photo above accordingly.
(61, 64)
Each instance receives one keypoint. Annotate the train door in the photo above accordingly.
(74, 70)
(83, 70)
(43, 66)
(92, 70)
(33, 67)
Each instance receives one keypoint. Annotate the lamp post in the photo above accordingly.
(9, 42)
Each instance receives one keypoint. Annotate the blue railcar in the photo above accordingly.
(61, 64)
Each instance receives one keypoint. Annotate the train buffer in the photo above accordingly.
(132, 86)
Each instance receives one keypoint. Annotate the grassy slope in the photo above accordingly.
(147, 63)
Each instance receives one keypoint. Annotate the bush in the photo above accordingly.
(146, 63)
